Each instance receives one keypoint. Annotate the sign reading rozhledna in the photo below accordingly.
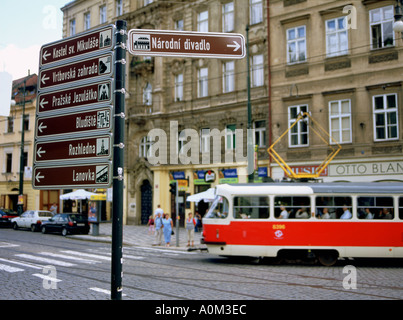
(186, 44)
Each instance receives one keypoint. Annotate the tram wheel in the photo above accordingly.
(327, 259)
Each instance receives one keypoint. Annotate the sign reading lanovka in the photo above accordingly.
(186, 44)
(73, 144)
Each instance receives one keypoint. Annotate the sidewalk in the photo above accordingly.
(140, 236)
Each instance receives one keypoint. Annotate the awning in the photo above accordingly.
(206, 196)
(79, 194)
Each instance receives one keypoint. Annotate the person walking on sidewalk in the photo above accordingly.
(167, 225)
(158, 228)
(190, 229)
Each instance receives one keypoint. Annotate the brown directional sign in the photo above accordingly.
(73, 149)
(72, 176)
(76, 46)
(92, 121)
(100, 92)
(77, 71)
(186, 44)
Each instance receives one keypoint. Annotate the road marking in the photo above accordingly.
(63, 256)
(23, 264)
(103, 291)
(4, 267)
(45, 277)
(48, 261)
(7, 245)
(82, 254)
(166, 250)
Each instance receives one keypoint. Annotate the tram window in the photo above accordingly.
(289, 207)
(328, 207)
(218, 208)
(251, 207)
(401, 208)
(375, 208)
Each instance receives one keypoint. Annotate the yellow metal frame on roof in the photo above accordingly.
(322, 133)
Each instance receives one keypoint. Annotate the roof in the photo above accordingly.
(30, 88)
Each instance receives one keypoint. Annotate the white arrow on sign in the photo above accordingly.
(45, 55)
(38, 177)
(40, 151)
(44, 78)
(236, 46)
(43, 102)
(41, 126)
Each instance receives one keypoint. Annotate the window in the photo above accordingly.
(257, 65)
(230, 137)
(145, 147)
(385, 117)
(102, 14)
(256, 11)
(381, 23)
(298, 135)
(202, 21)
(296, 45)
(340, 121)
(333, 207)
(179, 25)
(72, 27)
(401, 208)
(375, 208)
(182, 139)
(9, 162)
(202, 82)
(228, 17)
(179, 87)
(260, 133)
(228, 76)
(119, 7)
(289, 207)
(87, 21)
(205, 140)
(219, 208)
(251, 207)
(147, 95)
(147, 2)
(10, 125)
(26, 122)
(336, 37)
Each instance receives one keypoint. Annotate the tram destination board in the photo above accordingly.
(72, 176)
(77, 46)
(186, 44)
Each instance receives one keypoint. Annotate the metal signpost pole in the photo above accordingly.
(118, 161)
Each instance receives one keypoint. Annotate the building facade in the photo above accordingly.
(342, 62)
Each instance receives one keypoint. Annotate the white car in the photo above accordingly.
(31, 219)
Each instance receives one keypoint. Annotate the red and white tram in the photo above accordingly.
(325, 220)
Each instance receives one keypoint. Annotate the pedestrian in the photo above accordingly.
(190, 228)
(150, 224)
(53, 208)
(167, 229)
(160, 211)
(158, 228)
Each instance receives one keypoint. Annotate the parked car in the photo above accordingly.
(5, 217)
(67, 223)
(31, 219)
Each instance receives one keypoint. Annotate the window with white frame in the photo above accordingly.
(228, 17)
(260, 133)
(147, 2)
(145, 147)
(182, 139)
(205, 140)
(178, 25)
(381, 23)
(256, 11)
(147, 95)
(87, 20)
(72, 27)
(257, 72)
(298, 135)
(296, 45)
(202, 82)
(230, 137)
(336, 37)
(340, 121)
(119, 7)
(386, 126)
(228, 71)
(179, 87)
(202, 21)
(102, 14)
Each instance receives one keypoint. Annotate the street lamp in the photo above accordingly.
(20, 204)
(398, 25)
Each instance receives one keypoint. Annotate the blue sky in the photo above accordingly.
(25, 26)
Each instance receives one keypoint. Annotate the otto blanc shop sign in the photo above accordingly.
(370, 168)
